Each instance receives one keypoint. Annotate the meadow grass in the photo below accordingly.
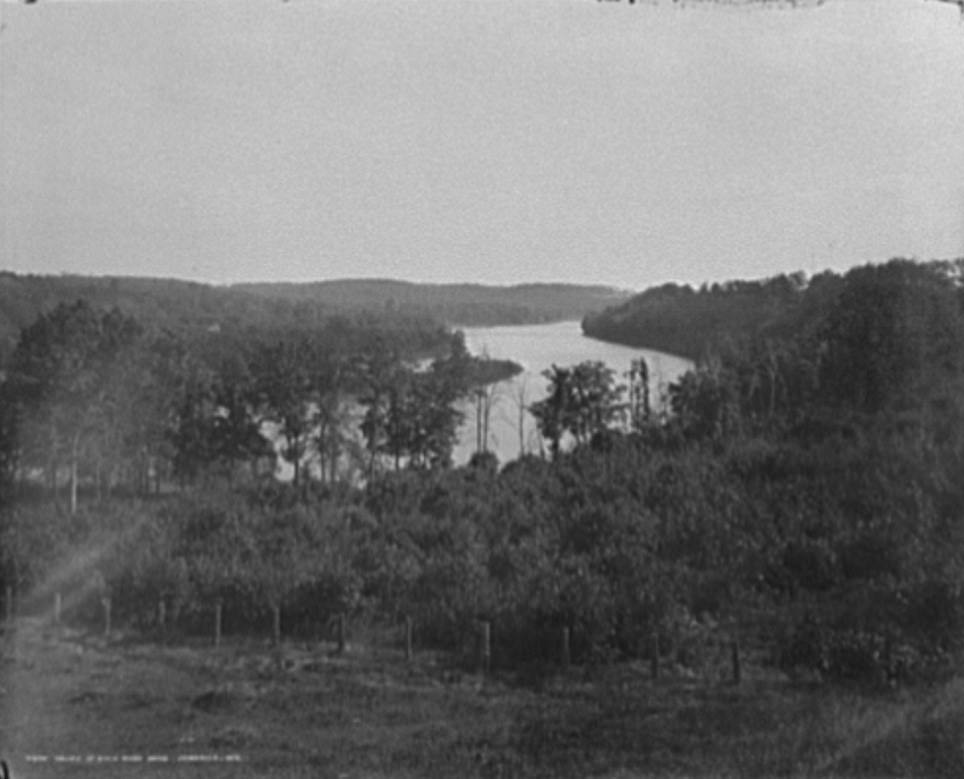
(303, 712)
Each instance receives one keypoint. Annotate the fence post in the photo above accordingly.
(408, 639)
(217, 622)
(57, 608)
(276, 624)
(654, 655)
(566, 653)
(485, 653)
(340, 635)
(105, 602)
(735, 657)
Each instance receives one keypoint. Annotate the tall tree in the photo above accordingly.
(332, 414)
(894, 338)
(583, 400)
(639, 404)
(193, 435)
(287, 392)
(411, 415)
(65, 371)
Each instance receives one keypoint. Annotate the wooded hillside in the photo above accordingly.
(690, 322)
(185, 306)
(455, 304)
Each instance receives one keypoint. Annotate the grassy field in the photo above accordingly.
(244, 710)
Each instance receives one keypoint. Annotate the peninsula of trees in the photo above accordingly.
(678, 319)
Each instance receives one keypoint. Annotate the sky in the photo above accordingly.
(494, 141)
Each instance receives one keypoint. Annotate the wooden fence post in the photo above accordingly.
(105, 602)
(340, 634)
(654, 655)
(217, 622)
(276, 624)
(408, 639)
(566, 653)
(735, 658)
(485, 647)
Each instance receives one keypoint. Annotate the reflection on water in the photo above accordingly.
(537, 348)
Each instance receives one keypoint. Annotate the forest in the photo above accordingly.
(678, 319)
(188, 307)
(797, 497)
(455, 304)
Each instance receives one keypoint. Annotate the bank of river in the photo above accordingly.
(537, 348)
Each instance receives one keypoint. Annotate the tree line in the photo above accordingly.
(92, 398)
(678, 319)
(189, 307)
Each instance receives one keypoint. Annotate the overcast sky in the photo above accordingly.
(478, 140)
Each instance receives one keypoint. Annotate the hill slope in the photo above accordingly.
(179, 305)
(689, 322)
(456, 304)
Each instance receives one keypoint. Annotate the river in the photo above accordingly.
(537, 348)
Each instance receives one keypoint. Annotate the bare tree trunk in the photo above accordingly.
(341, 638)
(75, 445)
(217, 622)
(522, 421)
(485, 423)
(105, 603)
(521, 393)
(333, 463)
(53, 466)
(478, 421)
(485, 647)
(654, 655)
(735, 660)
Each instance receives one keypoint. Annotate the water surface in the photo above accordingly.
(537, 348)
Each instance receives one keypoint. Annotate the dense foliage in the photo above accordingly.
(458, 304)
(678, 319)
(190, 308)
(801, 495)
(94, 401)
